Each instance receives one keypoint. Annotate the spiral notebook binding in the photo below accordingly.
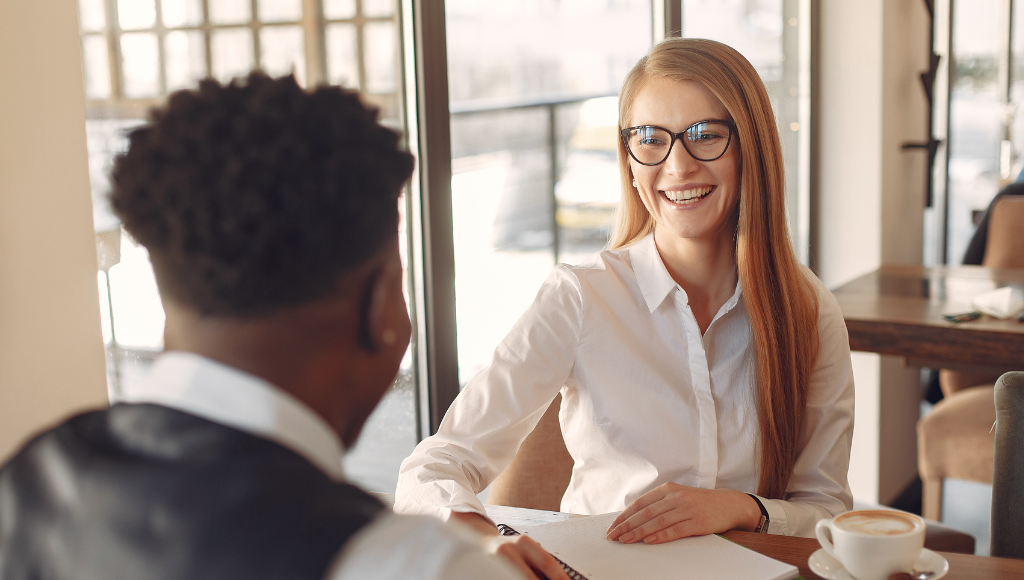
(506, 530)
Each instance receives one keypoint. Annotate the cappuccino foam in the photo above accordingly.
(876, 523)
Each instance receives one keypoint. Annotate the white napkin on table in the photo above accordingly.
(1000, 303)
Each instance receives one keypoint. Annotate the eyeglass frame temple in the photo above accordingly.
(625, 141)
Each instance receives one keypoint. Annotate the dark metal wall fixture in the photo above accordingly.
(928, 83)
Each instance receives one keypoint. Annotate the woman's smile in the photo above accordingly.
(687, 195)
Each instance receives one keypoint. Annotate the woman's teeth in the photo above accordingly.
(688, 195)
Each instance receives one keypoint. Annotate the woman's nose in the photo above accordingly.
(679, 161)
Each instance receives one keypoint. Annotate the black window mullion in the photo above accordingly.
(430, 199)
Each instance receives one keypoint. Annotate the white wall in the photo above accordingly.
(51, 351)
(871, 200)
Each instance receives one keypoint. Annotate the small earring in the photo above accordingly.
(388, 336)
(634, 182)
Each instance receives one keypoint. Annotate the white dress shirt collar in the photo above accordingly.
(654, 280)
(651, 274)
(226, 395)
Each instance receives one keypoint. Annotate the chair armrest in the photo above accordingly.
(939, 537)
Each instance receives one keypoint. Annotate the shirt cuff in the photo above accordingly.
(777, 523)
(465, 509)
(438, 500)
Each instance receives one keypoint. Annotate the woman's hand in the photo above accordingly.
(522, 551)
(672, 511)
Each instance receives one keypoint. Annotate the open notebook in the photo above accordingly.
(580, 544)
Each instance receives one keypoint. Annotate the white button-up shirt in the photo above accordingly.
(646, 399)
(390, 547)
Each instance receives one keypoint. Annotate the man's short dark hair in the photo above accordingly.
(258, 195)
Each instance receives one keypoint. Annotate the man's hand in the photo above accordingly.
(672, 511)
(523, 552)
(533, 561)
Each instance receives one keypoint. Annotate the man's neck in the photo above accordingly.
(289, 354)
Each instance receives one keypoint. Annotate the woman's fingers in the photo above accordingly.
(647, 507)
(527, 556)
(681, 512)
(651, 519)
(683, 529)
(639, 504)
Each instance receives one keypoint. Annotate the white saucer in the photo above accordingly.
(824, 565)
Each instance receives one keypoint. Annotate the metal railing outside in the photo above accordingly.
(550, 104)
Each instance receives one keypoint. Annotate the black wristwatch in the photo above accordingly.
(762, 526)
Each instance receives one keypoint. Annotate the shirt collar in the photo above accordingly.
(226, 395)
(651, 274)
(656, 283)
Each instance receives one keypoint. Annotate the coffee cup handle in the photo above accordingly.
(826, 544)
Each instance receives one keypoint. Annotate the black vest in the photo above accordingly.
(144, 491)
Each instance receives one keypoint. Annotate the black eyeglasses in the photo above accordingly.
(703, 140)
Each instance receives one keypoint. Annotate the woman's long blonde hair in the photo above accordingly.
(779, 298)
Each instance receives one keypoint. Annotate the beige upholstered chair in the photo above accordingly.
(539, 475)
(955, 439)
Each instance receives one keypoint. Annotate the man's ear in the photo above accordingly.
(375, 332)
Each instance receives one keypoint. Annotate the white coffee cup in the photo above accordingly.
(873, 544)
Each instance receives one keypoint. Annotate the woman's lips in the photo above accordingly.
(687, 196)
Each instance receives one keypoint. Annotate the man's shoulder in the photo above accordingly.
(223, 496)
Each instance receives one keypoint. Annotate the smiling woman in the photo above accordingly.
(705, 376)
(717, 227)
(680, 83)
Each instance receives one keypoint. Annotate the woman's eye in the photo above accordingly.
(704, 137)
(651, 141)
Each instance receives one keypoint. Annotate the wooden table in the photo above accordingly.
(897, 310)
(793, 551)
(796, 551)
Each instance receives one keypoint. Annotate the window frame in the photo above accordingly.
(422, 81)
(312, 22)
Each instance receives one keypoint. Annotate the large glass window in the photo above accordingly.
(534, 110)
(976, 119)
(533, 99)
(766, 32)
(135, 52)
(533, 90)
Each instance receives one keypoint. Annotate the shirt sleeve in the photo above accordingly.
(499, 407)
(819, 488)
(396, 547)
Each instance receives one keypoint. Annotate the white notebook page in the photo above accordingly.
(581, 543)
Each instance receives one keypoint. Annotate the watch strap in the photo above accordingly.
(762, 526)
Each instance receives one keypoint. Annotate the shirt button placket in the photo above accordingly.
(700, 378)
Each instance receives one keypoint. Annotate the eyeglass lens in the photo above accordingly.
(705, 141)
